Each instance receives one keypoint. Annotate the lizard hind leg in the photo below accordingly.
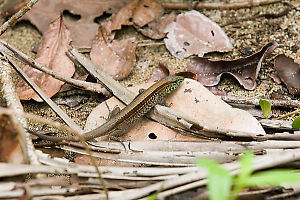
(120, 131)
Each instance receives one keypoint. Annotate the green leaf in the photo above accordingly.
(273, 177)
(152, 197)
(265, 106)
(296, 122)
(219, 180)
(246, 162)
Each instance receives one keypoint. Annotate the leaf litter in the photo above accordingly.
(243, 38)
(52, 54)
(195, 34)
(289, 72)
(245, 70)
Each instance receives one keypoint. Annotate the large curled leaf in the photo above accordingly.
(245, 70)
(265, 106)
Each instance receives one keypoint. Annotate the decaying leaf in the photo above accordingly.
(245, 70)
(156, 29)
(10, 7)
(289, 72)
(137, 12)
(52, 54)
(194, 100)
(10, 149)
(159, 72)
(194, 33)
(84, 28)
(116, 58)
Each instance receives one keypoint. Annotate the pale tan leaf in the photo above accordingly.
(195, 34)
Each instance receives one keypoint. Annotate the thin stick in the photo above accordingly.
(219, 6)
(82, 140)
(94, 87)
(41, 94)
(255, 101)
(17, 16)
(289, 114)
(11, 97)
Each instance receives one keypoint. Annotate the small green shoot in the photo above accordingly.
(265, 106)
(296, 122)
(220, 181)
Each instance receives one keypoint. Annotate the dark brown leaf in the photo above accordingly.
(137, 12)
(245, 70)
(83, 28)
(156, 29)
(52, 54)
(194, 33)
(116, 58)
(289, 73)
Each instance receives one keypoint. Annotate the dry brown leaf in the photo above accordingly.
(146, 12)
(124, 16)
(84, 29)
(10, 150)
(289, 72)
(116, 58)
(194, 33)
(156, 29)
(52, 54)
(195, 101)
(137, 12)
(245, 70)
(159, 72)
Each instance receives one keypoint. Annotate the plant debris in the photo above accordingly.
(83, 26)
(116, 58)
(137, 12)
(245, 70)
(289, 72)
(52, 54)
(194, 33)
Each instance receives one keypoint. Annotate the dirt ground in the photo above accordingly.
(247, 33)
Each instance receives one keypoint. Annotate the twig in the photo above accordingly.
(297, 111)
(82, 140)
(94, 87)
(266, 15)
(221, 6)
(255, 101)
(11, 97)
(17, 16)
(41, 94)
(150, 44)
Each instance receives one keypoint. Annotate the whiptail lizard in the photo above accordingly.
(119, 124)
